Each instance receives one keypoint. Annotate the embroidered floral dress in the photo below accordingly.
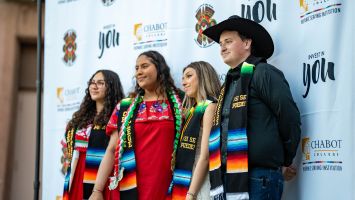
(154, 135)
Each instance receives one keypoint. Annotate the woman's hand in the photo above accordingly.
(190, 196)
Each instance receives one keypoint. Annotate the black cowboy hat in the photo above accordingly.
(262, 41)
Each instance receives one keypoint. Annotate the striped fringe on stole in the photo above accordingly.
(129, 180)
(182, 180)
(92, 163)
(237, 151)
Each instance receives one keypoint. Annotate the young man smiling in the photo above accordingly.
(256, 127)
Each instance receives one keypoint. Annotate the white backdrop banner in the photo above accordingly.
(313, 47)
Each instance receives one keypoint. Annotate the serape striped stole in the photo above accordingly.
(236, 177)
(186, 151)
(128, 184)
(78, 143)
(95, 148)
(97, 145)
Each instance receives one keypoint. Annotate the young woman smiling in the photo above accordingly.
(85, 138)
(144, 132)
(201, 85)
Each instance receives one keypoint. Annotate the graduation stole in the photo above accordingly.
(186, 151)
(95, 148)
(125, 164)
(236, 179)
(69, 137)
(97, 145)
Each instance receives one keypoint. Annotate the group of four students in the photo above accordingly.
(208, 142)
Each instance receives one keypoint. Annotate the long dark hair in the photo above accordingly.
(164, 78)
(87, 112)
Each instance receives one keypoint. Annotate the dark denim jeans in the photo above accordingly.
(265, 183)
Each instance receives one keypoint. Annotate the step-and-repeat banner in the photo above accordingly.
(313, 47)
